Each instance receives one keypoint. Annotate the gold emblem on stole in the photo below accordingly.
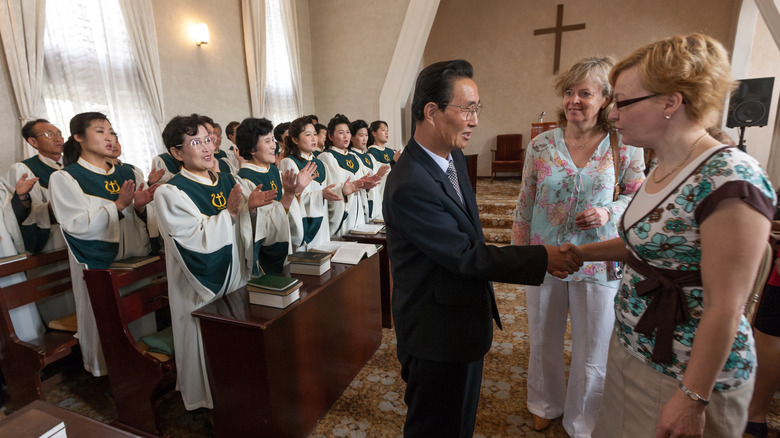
(350, 164)
(218, 200)
(112, 187)
(368, 162)
(316, 174)
(387, 157)
(274, 186)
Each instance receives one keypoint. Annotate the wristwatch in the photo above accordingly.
(693, 396)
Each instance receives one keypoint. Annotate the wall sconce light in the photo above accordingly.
(201, 34)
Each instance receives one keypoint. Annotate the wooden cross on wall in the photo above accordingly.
(558, 31)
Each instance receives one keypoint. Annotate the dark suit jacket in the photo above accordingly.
(443, 301)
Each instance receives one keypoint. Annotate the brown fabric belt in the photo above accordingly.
(668, 306)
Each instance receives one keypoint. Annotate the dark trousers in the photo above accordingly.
(441, 397)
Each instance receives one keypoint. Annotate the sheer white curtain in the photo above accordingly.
(283, 99)
(139, 18)
(253, 13)
(21, 30)
(90, 66)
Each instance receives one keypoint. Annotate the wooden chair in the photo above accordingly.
(137, 377)
(22, 362)
(508, 155)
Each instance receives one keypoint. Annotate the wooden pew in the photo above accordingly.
(137, 378)
(20, 361)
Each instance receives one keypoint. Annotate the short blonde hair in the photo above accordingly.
(596, 68)
(695, 65)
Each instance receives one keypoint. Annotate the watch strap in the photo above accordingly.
(694, 396)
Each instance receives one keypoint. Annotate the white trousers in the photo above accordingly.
(592, 312)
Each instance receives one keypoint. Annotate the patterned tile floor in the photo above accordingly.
(372, 405)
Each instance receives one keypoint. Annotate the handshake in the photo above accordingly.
(563, 260)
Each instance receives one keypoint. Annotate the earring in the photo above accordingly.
(667, 116)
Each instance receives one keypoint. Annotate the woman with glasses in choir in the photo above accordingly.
(102, 211)
(577, 181)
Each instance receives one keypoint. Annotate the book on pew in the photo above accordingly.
(379, 220)
(134, 262)
(353, 252)
(13, 258)
(273, 291)
(33, 423)
(367, 229)
(309, 263)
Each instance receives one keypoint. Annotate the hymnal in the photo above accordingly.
(134, 262)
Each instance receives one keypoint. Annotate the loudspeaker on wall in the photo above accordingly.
(749, 105)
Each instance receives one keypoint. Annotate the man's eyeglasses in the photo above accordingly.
(50, 134)
(624, 103)
(468, 111)
(197, 143)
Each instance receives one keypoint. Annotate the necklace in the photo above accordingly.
(578, 146)
(690, 152)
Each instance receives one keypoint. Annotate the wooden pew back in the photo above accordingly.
(137, 378)
(20, 361)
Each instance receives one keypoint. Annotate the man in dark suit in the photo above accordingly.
(443, 301)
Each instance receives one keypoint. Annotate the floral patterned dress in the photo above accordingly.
(662, 230)
(554, 191)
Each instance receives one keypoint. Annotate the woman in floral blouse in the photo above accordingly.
(681, 362)
(567, 195)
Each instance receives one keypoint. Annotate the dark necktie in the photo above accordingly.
(453, 176)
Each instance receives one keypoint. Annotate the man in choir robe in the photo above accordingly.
(443, 300)
(40, 230)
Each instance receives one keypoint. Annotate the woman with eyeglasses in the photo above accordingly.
(101, 209)
(200, 218)
(372, 198)
(681, 359)
(577, 181)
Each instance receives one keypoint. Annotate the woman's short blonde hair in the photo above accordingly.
(596, 68)
(696, 66)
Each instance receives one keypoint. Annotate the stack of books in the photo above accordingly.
(309, 263)
(273, 291)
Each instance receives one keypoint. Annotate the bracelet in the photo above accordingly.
(694, 396)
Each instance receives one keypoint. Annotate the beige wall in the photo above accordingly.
(352, 43)
(513, 68)
(210, 79)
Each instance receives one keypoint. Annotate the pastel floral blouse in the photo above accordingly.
(554, 191)
(663, 231)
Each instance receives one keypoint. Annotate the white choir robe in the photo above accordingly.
(353, 209)
(151, 214)
(91, 223)
(25, 319)
(371, 198)
(204, 257)
(312, 208)
(167, 162)
(39, 221)
(270, 227)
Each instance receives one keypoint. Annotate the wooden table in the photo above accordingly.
(385, 275)
(76, 425)
(276, 372)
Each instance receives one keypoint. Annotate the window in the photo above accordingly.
(280, 90)
(89, 66)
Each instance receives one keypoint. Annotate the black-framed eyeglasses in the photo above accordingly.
(50, 134)
(624, 103)
(468, 111)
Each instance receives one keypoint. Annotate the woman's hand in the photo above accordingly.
(155, 175)
(126, 195)
(305, 177)
(142, 197)
(680, 417)
(330, 195)
(350, 186)
(234, 200)
(259, 198)
(592, 218)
